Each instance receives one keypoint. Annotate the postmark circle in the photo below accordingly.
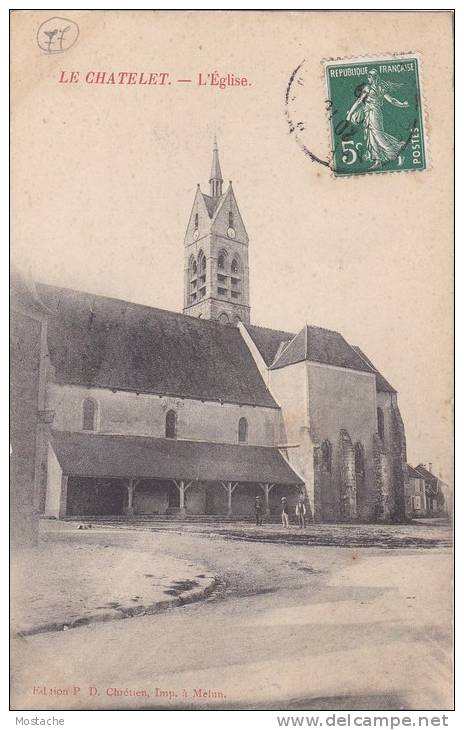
(57, 35)
(297, 113)
(374, 114)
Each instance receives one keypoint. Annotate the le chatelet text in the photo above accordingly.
(151, 78)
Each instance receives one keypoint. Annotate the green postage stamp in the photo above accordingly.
(376, 115)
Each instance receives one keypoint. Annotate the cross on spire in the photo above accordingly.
(215, 180)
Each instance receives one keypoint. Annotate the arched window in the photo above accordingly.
(359, 458)
(380, 423)
(223, 260)
(243, 431)
(171, 425)
(234, 267)
(193, 282)
(201, 261)
(200, 258)
(326, 456)
(223, 318)
(89, 415)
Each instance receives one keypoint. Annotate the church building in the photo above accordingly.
(153, 412)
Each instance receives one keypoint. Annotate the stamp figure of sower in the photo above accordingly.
(367, 110)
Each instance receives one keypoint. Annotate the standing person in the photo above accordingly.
(300, 511)
(259, 510)
(285, 522)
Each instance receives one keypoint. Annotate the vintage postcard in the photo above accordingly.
(231, 360)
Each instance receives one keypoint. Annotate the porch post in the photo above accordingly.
(229, 499)
(130, 497)
(267, 510)
(230, 488)
(266, 489)
(186, 486)
(63, 496)
(181, 486)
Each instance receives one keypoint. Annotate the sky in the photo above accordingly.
(104, 178)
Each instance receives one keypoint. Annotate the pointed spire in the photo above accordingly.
(215, 180)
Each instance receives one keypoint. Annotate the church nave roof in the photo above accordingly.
(109, 343)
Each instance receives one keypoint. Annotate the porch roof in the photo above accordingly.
(108, 455)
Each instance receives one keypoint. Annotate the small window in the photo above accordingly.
(89, 415)
(203, 263)
(222, 291)
(235, 294)
(171, 425)
(380, 423)
(326, 456)
(194, 267)
(231, 219)
(221, 261)
(196, 220)
(234, 266)
(243, 431)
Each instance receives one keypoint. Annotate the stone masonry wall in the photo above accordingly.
(383, 497)
(346, 460)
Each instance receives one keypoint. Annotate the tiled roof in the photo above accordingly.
(317, 344)
(268, 341)
(381, 383)
(100, 455)
(425, 473)
(101, 342)
(413, 473)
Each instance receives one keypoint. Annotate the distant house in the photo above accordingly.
(434, 492)
(415, 494)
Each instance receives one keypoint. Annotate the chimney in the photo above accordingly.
(430, 467)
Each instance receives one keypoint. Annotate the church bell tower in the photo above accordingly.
(216, 254)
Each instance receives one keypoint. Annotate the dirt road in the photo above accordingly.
(293, 626)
